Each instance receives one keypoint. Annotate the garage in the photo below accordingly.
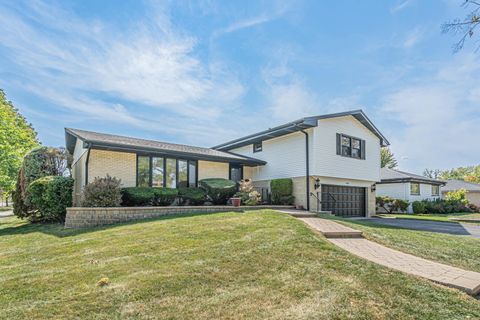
(343, 201)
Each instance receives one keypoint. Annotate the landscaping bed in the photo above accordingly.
(253, 265)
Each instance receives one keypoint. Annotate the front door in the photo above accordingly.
(236, 172)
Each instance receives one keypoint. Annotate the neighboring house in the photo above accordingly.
(473, 190)
(408, 186)
(333, 160)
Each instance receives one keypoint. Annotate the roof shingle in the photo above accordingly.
(110, 140)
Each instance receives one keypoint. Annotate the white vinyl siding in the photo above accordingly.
(328, 163)
(285, 156)
(402, 191)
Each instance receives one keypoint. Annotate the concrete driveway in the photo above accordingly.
(463, 229)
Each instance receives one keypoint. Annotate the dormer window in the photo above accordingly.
(257, 146)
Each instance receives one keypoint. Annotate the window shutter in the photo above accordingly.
(364, 150)
(339, 148)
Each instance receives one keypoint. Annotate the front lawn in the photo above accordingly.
(253, 265)
(454, 250)
(433, 217)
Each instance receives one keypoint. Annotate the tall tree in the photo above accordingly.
(432, 173)
(17, 138)
(470, 173)
(465, 28)
(387, 159)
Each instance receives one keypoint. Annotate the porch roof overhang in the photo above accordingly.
(108, 142)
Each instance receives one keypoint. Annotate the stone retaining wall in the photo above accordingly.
(80, 217)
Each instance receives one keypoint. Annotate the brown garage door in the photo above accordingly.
(343, 201)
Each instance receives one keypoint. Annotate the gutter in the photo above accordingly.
(86, 163)
(307, 169)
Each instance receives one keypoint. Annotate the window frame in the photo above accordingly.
(437, 187)
(165, 157)
(411, 192)
(361, 149)
(257, 147)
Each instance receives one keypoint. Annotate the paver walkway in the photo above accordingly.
(467, 281)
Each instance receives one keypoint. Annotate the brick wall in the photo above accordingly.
(91, 217)
(211, 169)
(121, 165)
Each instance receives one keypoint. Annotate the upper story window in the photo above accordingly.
(435, 190)
(257, 147)
(414, 189)
(352, 147)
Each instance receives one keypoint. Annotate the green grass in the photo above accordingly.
(434, 217)
(5, 209)
(454, 250)
(253, 265)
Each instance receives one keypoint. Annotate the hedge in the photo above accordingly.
(147, 196)
(282, 190)
(49, 196)
(219, 191)
(192, 196)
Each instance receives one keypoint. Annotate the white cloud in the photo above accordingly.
(83, 66)
(413, 38)
(400, 6)
(434, 122)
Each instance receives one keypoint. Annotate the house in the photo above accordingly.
(333, 160)
(473, 190)
(408, 186)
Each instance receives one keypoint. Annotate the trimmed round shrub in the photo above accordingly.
(49, 197)
(38, 163)
(418, 207)
(147, 196)
(282, 190)
(192, 196)
(102, 192)
(218, 190)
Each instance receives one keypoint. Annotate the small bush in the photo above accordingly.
(459, 195)
(218, 190)
(102, 192)
(446, 206)
(49, 196)
(418, 207)
(282, 190)
(391, 205)
(146, 196)
(192, 196)
(248, 194)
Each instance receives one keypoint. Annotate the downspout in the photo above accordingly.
(86, 163)
(307, 169)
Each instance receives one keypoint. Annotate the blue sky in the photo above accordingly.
(203, 72)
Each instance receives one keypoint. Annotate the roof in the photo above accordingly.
(396, 176)
(455, 184)
(98, 140)
(299, 125)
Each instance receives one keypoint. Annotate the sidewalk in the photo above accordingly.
(350, 239)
